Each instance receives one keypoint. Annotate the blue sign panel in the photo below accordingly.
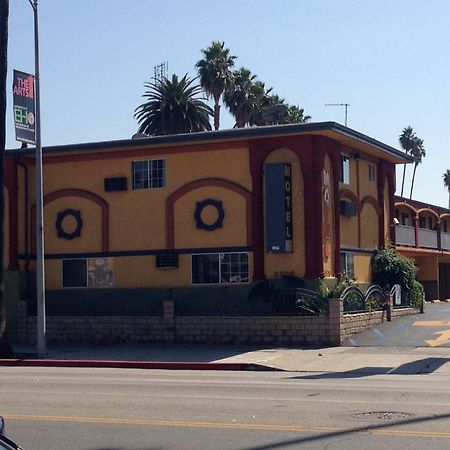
(278, 208)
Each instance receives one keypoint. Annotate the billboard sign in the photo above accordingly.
(24, 107)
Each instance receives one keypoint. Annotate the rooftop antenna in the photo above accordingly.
(160, 71)
(341, 104)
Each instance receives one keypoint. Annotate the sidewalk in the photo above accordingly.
(343, 360)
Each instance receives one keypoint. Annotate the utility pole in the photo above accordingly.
(40, 270)
(340, 104)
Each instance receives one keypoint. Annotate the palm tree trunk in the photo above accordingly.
(403, 179)
(412, 182)
(4, 12)
(216, 115)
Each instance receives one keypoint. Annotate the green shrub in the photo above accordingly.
(343, 281)
(389, 268)
(415, 295)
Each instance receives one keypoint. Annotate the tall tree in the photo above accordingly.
(242, 98)
(407, 142)
(296, 115)
(263, 100)
(446, 177)
(215, 74)
(418, 153)
(173, 107)
(272, 110)
(4, 12)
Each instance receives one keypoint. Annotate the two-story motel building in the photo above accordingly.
(223, 207)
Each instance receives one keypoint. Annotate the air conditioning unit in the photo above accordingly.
(167, 260)
(115, 184)
(348, 208)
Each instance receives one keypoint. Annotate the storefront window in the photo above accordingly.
(88, 272)
(220, 268)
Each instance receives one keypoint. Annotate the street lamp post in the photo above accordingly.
(40, 271)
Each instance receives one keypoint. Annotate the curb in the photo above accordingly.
(136, 364)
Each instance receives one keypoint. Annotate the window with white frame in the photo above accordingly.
(345, 170)
(149, 174)
(220, 268)
(87, 272)
(347, 264)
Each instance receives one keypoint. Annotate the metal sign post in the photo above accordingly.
(40, 273)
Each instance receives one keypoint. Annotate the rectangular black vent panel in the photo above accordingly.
(115, 184)
(347, 208)
(167, 261)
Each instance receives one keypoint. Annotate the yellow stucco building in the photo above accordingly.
(195, 209)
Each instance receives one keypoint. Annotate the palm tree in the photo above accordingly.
(242, 98)
(172, 107)
(407, 142)
(272, 110)
(296, 115)
(215, 73)
(446, 177)
(5, 350)
(418, 153)
(263, 100)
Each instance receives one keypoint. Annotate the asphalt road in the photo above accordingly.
(431, 329)
(120, 409)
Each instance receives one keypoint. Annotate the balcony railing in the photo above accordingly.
(428, 238)
(405, 235)
(445, 241)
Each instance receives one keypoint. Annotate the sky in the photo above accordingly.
(388, 59)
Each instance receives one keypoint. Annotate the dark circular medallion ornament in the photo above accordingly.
(201, 224)
(59, 224)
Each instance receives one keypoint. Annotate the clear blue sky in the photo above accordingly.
(390, 60)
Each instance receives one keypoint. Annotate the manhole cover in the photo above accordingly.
(382, 415)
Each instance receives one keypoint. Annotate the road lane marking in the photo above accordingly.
(444, 335)
(431, 323)
(444, 338)
(224, 425)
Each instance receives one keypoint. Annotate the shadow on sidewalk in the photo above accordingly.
(422, 366)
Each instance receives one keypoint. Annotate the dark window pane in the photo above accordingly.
(149, 174)
(205, 269)
(74, 273)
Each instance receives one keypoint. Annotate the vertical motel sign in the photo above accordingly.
(326, 214)
(24, 107)
(278, 208)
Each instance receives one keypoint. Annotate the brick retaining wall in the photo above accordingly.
(354, 323)
(253, 330)
(329, 329)
(100, 330)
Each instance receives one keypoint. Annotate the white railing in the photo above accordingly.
(428, 238)
(445, 241)
(405, 235)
